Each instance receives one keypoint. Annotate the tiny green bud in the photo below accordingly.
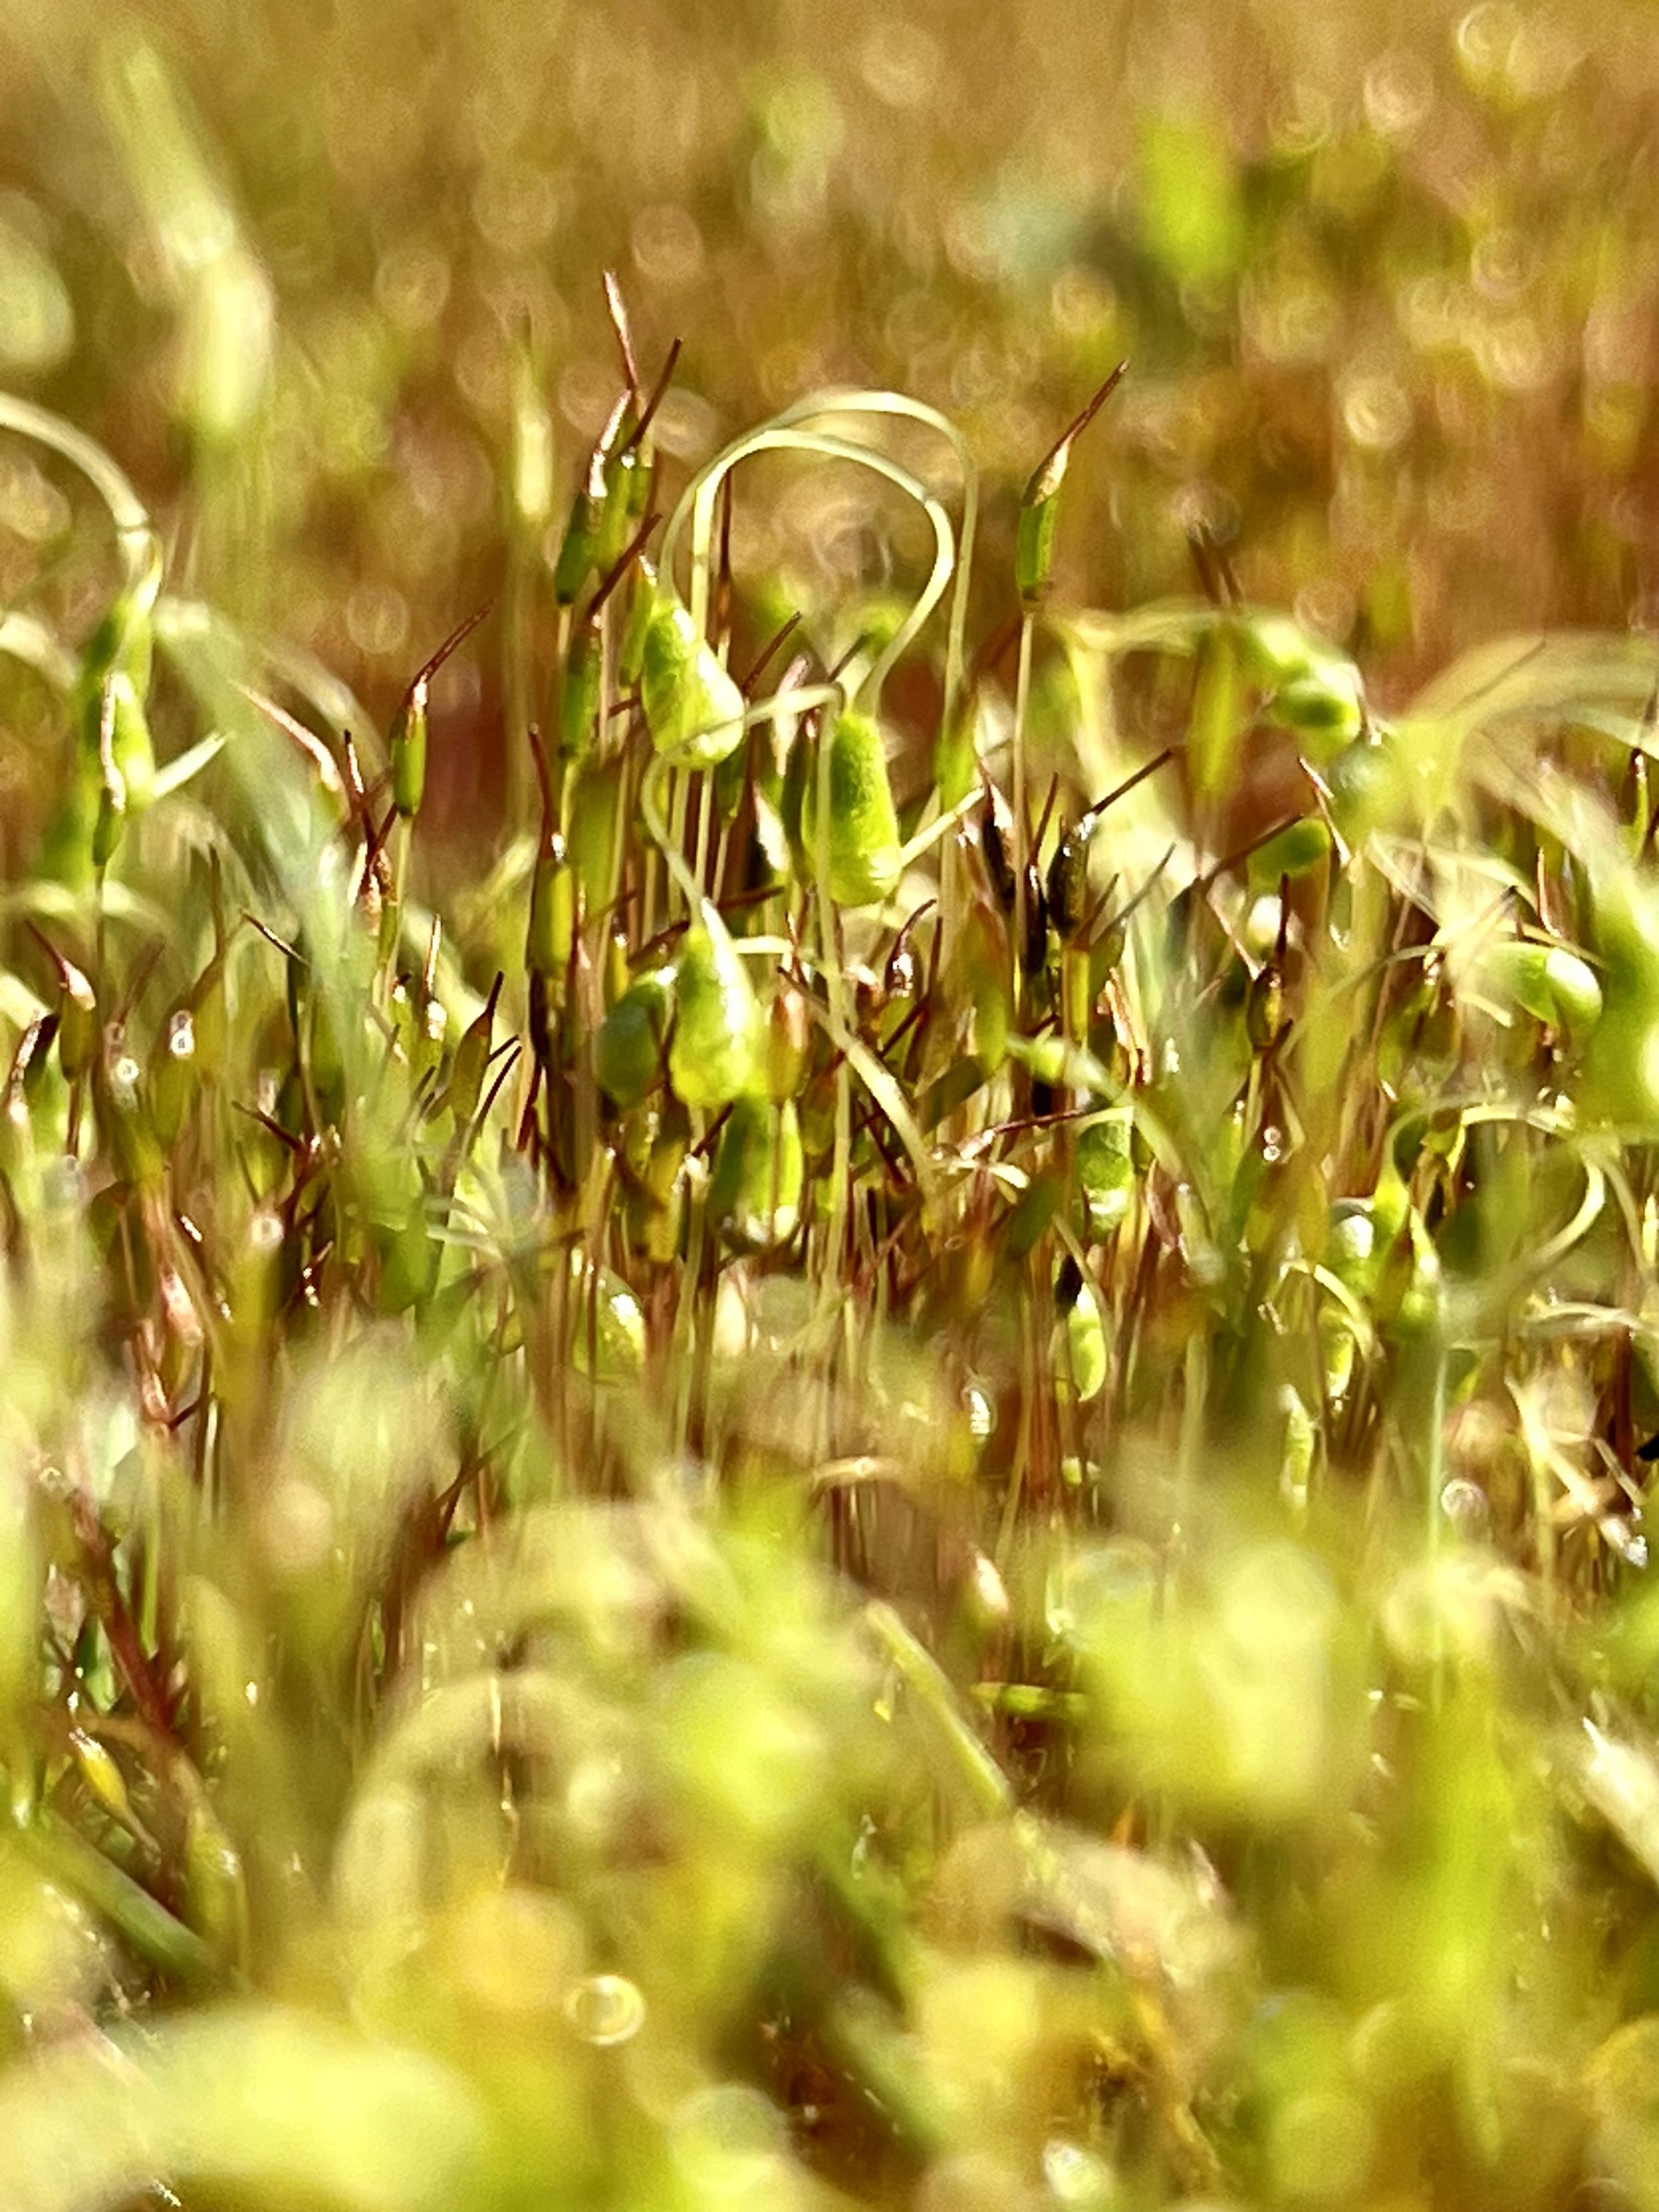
(130, 748)
(1087, 1364)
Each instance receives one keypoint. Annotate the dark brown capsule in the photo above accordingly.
(996, 840)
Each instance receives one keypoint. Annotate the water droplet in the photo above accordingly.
(606, 2009)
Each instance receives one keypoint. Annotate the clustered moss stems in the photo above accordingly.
(798, 1124)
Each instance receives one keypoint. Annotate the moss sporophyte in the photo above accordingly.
(824, 1396)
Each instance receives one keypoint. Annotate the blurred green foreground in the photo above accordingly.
(827, 1383)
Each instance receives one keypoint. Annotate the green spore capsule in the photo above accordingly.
(693, 707)
(1264, 1007)
(1550, 982)
(1299, 850)
(407, 740)
(996, 836)
(788, 1030)
(1035, 534)
(1067, 885)
(130, 743)
(627, 489)
(629, 1049)
(406, 746)
(754, 1191)
(642, 597)
(1274, 649)
(579, 549)
(1086, 1363)
(865, 852)
(467, 1070)
(78, 1023)
(1039, 507)
(552, 913)
(713, 1056)
(578, 698)
(1325, 708)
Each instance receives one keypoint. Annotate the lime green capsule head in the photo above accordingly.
(552, 929)
(1067, 885)
(636, 621)
(130, 743)
(788, 1030)
(1264, 1007)
(693, 707)
(628, 1051)
(1039, 507)
(466, 1074)
(1324, 707)
(1552, 983)
(656, 1196)
(865, 852)
(1300, 849)
(1034, 539)
(578, 698)
(578, 556)
(407, 740)
(755, 1192)
(627, 491)
(406, 745)
(714, 1055)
